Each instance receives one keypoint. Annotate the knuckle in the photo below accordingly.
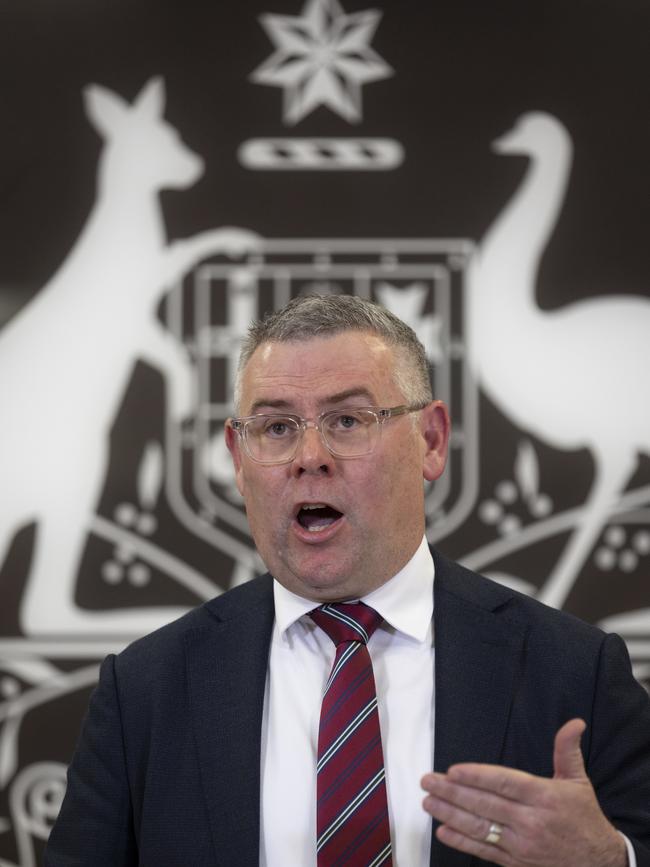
(480, 828)
(484, 804)
(504, 787)
(513, 784)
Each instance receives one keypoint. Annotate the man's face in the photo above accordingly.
(375, 503)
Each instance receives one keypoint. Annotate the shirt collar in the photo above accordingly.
(405, 601)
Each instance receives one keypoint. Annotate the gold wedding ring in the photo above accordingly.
(494, 834)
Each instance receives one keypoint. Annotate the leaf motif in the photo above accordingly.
(150, 475)
(527, 470)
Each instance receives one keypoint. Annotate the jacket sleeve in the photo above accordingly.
(618, 757)
(95, 825)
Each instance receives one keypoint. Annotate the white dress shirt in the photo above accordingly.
(300, 661)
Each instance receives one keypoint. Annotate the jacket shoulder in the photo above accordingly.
(458, 586)
(157, 647)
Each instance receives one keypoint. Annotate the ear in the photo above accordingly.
(104, 108)
(233, 443)
(435, 429)
(150, 102)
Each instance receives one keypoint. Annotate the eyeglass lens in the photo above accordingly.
(347, 433)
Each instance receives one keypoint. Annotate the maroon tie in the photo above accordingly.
(352, 812)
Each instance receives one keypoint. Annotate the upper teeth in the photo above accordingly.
(314, 506)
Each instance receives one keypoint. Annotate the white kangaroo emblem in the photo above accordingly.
(67, 357)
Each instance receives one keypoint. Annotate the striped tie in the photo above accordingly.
(352, 811)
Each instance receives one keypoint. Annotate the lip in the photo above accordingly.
(316, 537)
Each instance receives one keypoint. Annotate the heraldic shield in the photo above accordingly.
(421, 281)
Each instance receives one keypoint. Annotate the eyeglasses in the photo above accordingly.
(347, 433)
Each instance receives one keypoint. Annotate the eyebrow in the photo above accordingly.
(339, 397)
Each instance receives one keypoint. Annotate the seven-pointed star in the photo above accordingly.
(323, 57)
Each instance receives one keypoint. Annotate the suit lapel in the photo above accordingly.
(226, 672)
(479, 643)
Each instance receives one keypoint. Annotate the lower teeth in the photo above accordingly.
(315, 528)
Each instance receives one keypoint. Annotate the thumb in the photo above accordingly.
(568, 763)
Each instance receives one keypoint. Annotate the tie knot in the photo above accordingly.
(347, 621)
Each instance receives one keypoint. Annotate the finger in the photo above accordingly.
(487, 851)
(482, 804)
(567, 756)
(466, 823)
(509, 783)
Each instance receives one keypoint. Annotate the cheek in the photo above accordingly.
(402, 480)
(374, 492)
(262, 497)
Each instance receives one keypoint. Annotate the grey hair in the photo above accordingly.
(309, 316)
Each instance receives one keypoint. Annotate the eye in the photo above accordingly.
(344, 421)
(278, 428)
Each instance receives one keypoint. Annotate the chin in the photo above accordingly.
(321, 594)
(317, 584)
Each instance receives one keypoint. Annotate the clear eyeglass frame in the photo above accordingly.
(379, 416)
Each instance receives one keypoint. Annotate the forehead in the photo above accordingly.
(320, 368)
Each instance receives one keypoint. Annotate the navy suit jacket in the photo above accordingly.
(167, 770)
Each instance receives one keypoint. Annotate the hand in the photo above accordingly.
(545, 822)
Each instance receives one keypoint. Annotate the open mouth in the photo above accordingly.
(317, 516)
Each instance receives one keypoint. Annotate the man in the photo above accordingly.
(223, 738)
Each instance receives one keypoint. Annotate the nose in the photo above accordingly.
(313, 456)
